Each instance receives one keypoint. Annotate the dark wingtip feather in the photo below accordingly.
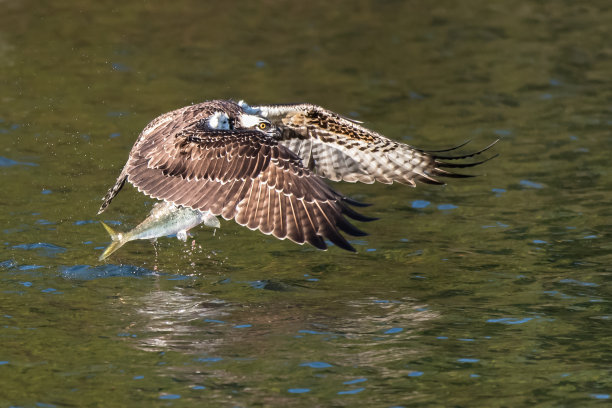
(440, 164)
(317, 241)
(354, 203)
(429, 180)
(466, 156)
(464, 165)
(349, 228)
(343, 243)
(349, 212)
(453, 175)
(449, 149)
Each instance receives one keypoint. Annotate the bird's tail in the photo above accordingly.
(112, 192)
(116, 243)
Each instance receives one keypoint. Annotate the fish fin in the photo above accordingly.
(114, 245)
(211, 221)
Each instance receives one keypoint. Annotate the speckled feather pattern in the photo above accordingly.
(272, 182)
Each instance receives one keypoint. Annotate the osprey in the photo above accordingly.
(263, 166)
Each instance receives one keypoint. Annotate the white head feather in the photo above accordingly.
(249, 109)
(219, 120)
(250, 121)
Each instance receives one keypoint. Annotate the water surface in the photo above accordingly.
(490, 291)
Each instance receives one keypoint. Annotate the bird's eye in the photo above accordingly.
(263, 125)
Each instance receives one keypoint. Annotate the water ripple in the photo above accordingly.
(88, 272)
(42, 248)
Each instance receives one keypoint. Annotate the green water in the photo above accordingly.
(492, 291)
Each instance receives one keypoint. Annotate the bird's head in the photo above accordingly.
(255, 122)
(228, 119)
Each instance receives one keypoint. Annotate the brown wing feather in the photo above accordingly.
(341, 149)
(244, 175)
(167, 127)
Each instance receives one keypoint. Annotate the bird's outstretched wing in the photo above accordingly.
(242, 175)
(338, 148)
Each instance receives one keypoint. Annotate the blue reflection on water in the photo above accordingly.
(208, 359)
(29, 267)
(498, 191)
(316, 364)
(510, 320)
(84, 222)
(178, 277)
(531, 184)
(50, 290)
(355, 381)
(394, 330)
(8, 264)
(502, 132)
(468, 360)
(420, 203)
(298, 390)
(579, 283)
(120, 67)
(42, 248)
(88, 272)
(6, 162)
(169, 396)
(355, 391)
(214, 321)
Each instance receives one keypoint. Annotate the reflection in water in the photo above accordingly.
(220, 335)
(172, 320)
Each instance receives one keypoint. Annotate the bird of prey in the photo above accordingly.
(264, 166)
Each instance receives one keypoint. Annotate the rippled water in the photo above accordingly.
(490, 291)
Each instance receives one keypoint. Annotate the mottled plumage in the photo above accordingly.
(263, 166)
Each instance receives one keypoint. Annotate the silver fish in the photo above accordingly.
(164, 219)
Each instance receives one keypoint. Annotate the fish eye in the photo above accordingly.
(263, 125)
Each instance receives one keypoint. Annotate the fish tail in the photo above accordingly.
(116, 243)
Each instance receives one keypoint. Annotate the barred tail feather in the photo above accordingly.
(112, 192)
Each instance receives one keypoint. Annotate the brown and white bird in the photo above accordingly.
(264, 166)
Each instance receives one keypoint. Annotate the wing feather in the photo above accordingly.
(338, 148)
(242, 175)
